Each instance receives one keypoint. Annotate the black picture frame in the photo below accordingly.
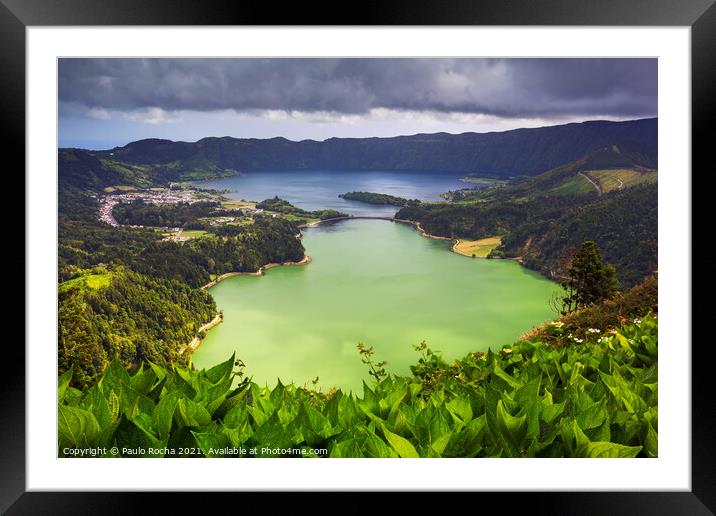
(17, 15)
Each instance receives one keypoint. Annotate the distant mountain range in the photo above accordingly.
(519, 152)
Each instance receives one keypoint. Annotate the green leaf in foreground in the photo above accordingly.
(597, 400)
(400, 445)
(603, 450)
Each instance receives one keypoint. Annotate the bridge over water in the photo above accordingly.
(356, 217)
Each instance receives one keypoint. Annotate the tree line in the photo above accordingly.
(547, 230)
(151, 305)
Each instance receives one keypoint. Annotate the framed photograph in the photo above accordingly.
(419, 252)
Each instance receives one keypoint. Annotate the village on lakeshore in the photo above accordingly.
(173, 195)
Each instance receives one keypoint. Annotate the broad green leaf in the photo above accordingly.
(651, 442)
(374, 446)
(349, 448)
(461, 408)
(62, 383)
(222, 371)
(527, 398)
(159, 372)
(163, 414)
(193, 414)
(500, 438)
(236, 417)
(573, 436)
(369, 402)
(142, 381)
(439, 445)
(76, 427)
(400, 445)
(608, 450)
(514, 427)
(239, 435)
(593, 416)
(115, 378)
(212, 444)
(506, 377)
(259, 416)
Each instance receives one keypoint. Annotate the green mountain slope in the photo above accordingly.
(609, 168)
(498, 154)
(87, 170)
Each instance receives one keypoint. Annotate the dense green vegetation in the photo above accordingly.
(140, 213)
(81, 169)
(594, 399)
(125, 316)
(379, 198)
(582, 386)
(545, 230)
(589, 280)
(622, 223)
(91, 170)
(604, 316)
(570, 179)
(84, 242)
(496, 154)
(279, 205)
(126, 294)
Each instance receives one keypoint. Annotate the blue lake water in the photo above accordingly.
(313, 190)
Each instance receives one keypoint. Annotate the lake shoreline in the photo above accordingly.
(262, 270)
(421, 230)
(196, 341)
(312, 318)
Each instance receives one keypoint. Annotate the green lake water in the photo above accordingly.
(373, 281)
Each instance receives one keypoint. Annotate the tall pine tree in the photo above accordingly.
(589, 279)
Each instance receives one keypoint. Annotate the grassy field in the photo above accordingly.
(234, 204)
(483, 181)
(121, 188)
(616, 179)
(89, 281)
(576, 184)
(195, 233)
(244, 221)
(296, 218)
(477, 248)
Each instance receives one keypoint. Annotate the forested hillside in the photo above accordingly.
(614, 167)
(623, 224)
(141, 213)
(124, 293)
(88, 170)
(545, 230)
(107, 314)
(498, 154)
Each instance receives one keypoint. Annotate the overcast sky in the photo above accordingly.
(109, 102)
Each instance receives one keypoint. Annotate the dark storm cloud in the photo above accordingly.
(501, 87)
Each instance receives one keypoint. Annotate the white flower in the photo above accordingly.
(557, 324)
(578, 341)
(637, 321)
(594, 330)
